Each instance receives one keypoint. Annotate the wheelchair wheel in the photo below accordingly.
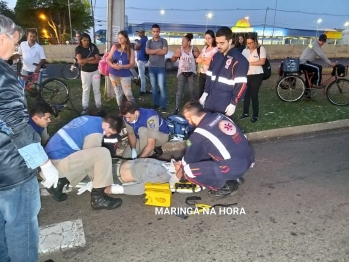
(338, 92)
(70, 71)
(55, 91)
(290, 88)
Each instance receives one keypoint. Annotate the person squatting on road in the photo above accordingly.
(226, 76)
(146, 130)
(76, 150)
(21, 155)
(217, 153)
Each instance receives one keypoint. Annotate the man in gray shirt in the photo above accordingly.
(308, 56)
(157, 48)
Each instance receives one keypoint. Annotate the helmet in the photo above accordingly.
(340, 69)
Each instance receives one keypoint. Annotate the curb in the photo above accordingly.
(296, 130)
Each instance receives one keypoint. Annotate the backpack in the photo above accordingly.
(266, 67)
(103, 66)
(179, 126)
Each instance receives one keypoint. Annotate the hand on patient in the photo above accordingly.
(133, 153)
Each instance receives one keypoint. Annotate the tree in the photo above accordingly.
(6, 11)
(53, 17)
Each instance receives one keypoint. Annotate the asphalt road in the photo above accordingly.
(54, 70)
(296, 201)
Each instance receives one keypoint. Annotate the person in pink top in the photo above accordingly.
(205, 58)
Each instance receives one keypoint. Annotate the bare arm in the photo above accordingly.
(132, 139)
(152, 51)
(163, 51)
(148, 148)
(260, 62)
(176, 55)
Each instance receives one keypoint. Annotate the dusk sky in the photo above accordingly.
(334, 14)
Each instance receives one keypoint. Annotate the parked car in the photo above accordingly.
(169, 65)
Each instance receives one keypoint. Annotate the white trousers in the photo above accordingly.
(88, 79)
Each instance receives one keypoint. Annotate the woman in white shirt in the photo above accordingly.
(254, 77)
(205, 58)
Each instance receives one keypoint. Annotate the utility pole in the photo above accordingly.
(93, 25)
(276, 4)
(71, 29)
(265, 21)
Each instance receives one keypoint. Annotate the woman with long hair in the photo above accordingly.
(241, 45)
(120, 60)
(205, 58)
(254, 76)
(87, 55)
(186, 68)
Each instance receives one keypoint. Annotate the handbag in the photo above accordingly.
(103, 66)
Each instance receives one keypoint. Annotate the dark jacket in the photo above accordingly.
(16, 135)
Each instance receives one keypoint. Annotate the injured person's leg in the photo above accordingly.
(130, 176)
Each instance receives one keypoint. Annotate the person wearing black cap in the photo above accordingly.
(308, 56)
(142, 58)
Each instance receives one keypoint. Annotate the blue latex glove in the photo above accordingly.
(133, 153)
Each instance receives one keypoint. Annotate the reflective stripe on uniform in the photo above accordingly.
(68, 140)
(209, 73)
(188, 172)
(110, 140)
(230, 82)
(215, 141)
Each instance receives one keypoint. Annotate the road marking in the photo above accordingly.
(62, 235)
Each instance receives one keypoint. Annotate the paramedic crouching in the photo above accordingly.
(217, 153)
(146, 130)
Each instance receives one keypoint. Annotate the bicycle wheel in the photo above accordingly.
(338, 92)
(55, 91)
(70, 71)
(290, 88)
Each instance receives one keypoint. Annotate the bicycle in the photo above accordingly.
(291, 87)
(71, 71)
(52, 91)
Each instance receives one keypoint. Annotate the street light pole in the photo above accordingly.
(209, 15)
(162, 12)
(317, 26)
(71, 29)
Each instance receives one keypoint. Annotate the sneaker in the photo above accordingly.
(148, 92)
(243, 116)
(155, 107)
(176, 111)
(163, 110)
(254, 120)
(229, 188)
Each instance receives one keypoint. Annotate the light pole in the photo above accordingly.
(317, 26)
(71, 29)
(162, 12)
(347, 33)
(208, 16)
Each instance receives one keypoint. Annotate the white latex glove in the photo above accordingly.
(230, 110)
(133, 153)
(173, 179)
(87, 187)
(49, 174)
(203, 98)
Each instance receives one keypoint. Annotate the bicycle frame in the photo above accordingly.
(309, 76)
